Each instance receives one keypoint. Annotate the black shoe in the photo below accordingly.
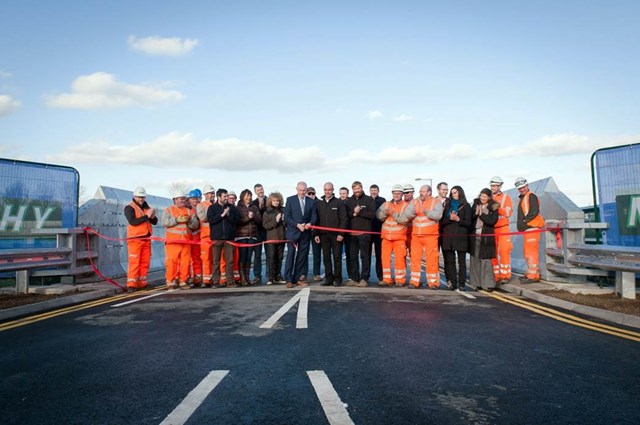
(326, 283)
(524, 279)
(131, 289)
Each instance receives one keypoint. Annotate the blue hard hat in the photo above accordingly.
(195, 193)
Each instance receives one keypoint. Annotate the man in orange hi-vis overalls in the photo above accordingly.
(205, 234)
(529, 221)
(195, 196)
(426, 212)
(394, 238)
(178, 221)
(502, 262)
(140, 218)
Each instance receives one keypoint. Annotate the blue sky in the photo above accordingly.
(233, 93)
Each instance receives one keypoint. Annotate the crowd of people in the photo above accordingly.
(219, 240)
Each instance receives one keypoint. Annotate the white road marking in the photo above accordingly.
(333, 407)
(143, 298)
(465, 294)
(301, 321)
(282, 311)
(194, 399)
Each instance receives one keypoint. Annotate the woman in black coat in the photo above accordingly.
(483, 248)
(454, 228)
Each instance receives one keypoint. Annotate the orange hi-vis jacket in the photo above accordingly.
(391, 229)
(422, 224)
(179, 232)
(140, 230)
(201, 210)
(536, 221)
(505, 210)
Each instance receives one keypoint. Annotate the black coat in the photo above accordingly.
(331, 214)
(455, 234)
(487, 243)
(222, 228)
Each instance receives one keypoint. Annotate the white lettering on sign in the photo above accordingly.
(41, 218)
(634, 211)
(15, 219)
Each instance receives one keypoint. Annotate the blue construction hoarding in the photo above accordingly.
(35, 196)
(618, 181)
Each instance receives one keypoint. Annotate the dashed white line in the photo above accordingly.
(333, 407)
(282, 311)
(465, 294)
(303, 307)
(194, 399)
(143, 298)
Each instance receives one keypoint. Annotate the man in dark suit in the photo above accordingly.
(299, 214)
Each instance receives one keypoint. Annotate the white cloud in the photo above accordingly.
(402, 118)
(8, 105)
(159, 46)
(561, 144)
(225, 154)
(407, 155)
(373, 115)
(234, 154)
(102, 91)
(5, 74)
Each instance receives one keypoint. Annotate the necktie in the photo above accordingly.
(302, 204)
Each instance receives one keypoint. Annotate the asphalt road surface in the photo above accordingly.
(374, 356)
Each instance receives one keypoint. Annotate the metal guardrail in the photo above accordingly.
(66, 259)
(576, 258)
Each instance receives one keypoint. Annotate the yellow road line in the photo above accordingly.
(43, 316)
(570, 316)
(588, 325)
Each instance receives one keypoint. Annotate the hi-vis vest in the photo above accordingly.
(391, 229)
(141, 230)
(537, 221)
(179, 232)
(505, 210)
(205, 230)
(423, 225)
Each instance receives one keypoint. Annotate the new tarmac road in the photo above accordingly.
(314, 356)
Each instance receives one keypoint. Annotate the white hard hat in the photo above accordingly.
(208, 189)
(179, 193)
(139, 191)
(520, 182)
(496, 180)
(397, 188)
(408, 188)
(231, 193)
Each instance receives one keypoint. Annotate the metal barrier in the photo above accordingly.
(578, 260)
(66, 259)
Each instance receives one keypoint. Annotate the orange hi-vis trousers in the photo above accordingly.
(196, 261)
(206, 258)
(531, 248)
(177, 261)
(427, 244)
(236, 266)
(139, 259)
(502, 263)
(399, 249)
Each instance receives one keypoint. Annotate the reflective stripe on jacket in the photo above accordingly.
(536, 221)
(179, 231)
(505, 210)
(422, 224)
(391, 229)
(140, 230)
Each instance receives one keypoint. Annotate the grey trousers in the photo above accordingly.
(481, 271)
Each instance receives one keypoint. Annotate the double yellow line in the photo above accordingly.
(38, 317)
(564, 317)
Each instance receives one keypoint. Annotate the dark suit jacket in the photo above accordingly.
(293, 216)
